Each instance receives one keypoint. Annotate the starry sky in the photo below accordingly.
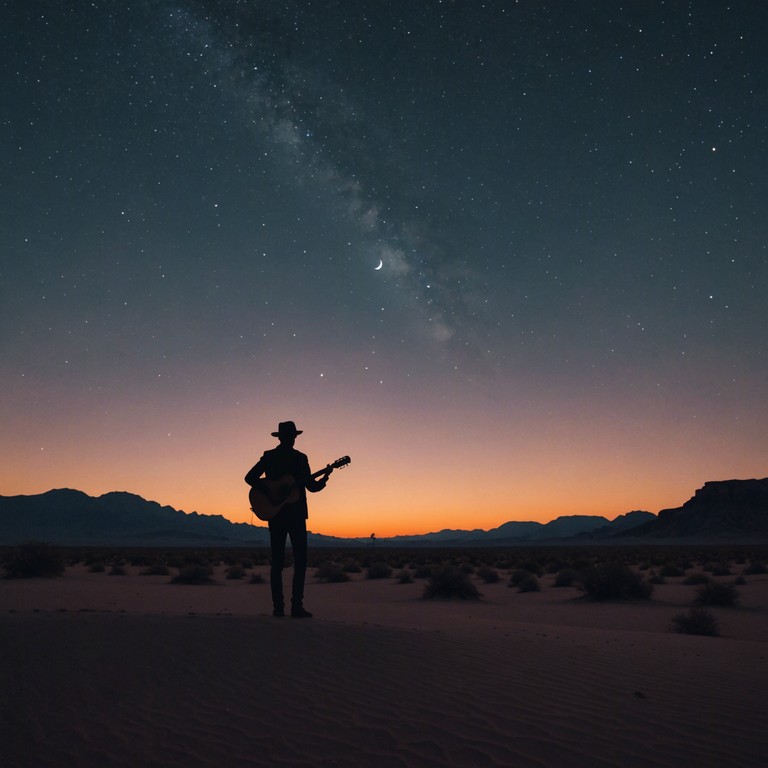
(567, 203)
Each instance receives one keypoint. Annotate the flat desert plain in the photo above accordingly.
(133, 671)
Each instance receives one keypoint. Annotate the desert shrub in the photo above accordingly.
(422, 572)
(566, 577)
(34, 558)
(158, 568)
(379, 571)
(740, 581)
(487, 574)
(614, 581)
(256, 578)
(721, 569)
(529, 584)
(656, 578)
(717, 593)
(517, 576)
(698, 621)
(117, 570)
(97, 567)
(405, 577)
(235, 572)
(247, 563)
(695, 578)
(195, 558)
(467, 568)
(670, 570)
(755, 568)
(449, 581)
(331, 572)
(194, 574)
(351, 566)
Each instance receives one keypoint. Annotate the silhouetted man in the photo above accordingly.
(289, 468)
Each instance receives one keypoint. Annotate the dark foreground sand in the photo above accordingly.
(131, 671)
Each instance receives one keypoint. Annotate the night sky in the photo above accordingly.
(567, 202)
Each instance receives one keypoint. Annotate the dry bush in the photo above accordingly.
(235, 572)
(331, 573)
(695, 578)
(32, 559)
(518, 575)
(529, 584)
(532, 566)
(194, 574)
(450, 582)
(614, 581)
(379, 571)
(566, 577)
(158, 568)
(487, 574)
(717, 593)
(698, 621)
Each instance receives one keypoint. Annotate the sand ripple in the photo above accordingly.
(94, 690)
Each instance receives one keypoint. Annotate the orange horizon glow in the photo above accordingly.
(456, 469)
(505, 286)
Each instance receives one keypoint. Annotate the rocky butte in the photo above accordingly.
(722, 509)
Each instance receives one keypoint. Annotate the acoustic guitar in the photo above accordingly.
(268, 497)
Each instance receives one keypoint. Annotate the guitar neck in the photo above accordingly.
(342, 462)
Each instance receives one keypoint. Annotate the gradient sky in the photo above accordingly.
(569, 201)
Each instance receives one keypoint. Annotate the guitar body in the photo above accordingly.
(268, 497)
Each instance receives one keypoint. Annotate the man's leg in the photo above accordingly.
(298, 534)
(277, 536)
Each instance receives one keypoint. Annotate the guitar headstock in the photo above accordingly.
(342, 462)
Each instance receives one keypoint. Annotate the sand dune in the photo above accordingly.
(199, 676)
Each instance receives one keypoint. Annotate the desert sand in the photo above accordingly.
(100, 670)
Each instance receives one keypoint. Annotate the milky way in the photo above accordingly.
(567, 201)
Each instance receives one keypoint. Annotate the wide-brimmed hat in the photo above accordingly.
(287, 429)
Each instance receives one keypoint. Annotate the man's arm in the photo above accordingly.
(255, 472)
(312, 484)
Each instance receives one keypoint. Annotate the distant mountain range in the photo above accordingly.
(513, 532)
(721, 510)
(67, 516)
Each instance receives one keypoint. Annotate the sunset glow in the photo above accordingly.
(486, 252)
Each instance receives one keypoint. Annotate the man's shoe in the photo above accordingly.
(278, 613)
(301, 613)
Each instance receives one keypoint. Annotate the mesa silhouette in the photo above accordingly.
(720, 510)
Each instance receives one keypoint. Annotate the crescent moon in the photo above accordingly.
(381, 264)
